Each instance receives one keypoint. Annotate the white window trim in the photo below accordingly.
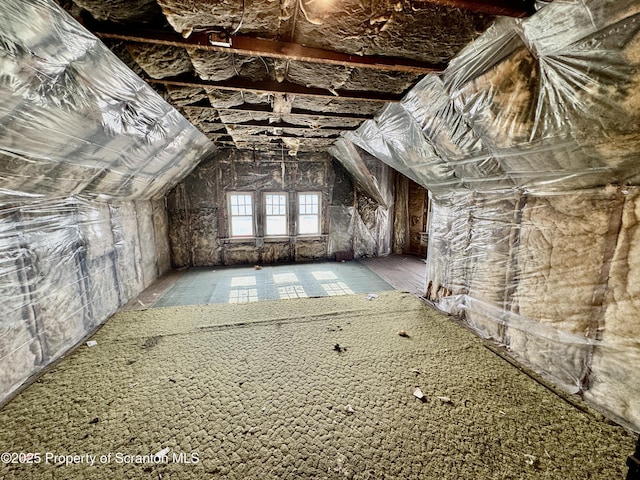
(286, 214)
(230, 215)
(298, 214)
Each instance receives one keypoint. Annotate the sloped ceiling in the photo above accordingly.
(75, 121)
(548, 104)
(286, 75)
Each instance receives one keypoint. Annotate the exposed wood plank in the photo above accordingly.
(262, 133)
(255, 47)
(219, 136)
(240, 84)
(507, 8)
(277, 139)
(277, 148)
(295, 113)
(281, 125)
(403, 272)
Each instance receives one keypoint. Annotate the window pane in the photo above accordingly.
(308, 203)
(242, 226)
(308, 214)
(275, 214)
(276, 204)
(241, 215)
(308, 224)
(276, 225)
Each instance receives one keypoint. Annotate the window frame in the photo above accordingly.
(265, 215)
(299, 214)
(231, 215)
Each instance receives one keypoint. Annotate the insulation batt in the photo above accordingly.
(387, 27)
(159, 61)
(187, 16)
(560, 256)
(613, 381)
(488, 258)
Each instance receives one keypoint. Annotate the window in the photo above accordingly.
(275, 218)
(308, 213)
(241, 214)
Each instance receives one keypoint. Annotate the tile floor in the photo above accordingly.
(246, 284)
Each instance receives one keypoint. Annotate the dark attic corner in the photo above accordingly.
(319, 239)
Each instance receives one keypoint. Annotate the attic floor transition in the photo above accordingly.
(303, 388)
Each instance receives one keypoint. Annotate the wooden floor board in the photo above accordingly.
(404, 272)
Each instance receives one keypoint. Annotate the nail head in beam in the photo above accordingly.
(507, 8)
(259, 47)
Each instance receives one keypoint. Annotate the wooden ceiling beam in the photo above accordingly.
(272, 87)
(241, 133)
(286, 126)
(275, 140)
(259, 47)
(507, 8)
(295, 113)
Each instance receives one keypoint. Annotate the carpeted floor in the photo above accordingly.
(299, 389)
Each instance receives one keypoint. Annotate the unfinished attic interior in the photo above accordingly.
(319, 239)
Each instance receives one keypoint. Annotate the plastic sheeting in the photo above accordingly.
(371, 227)
(75, 120)
(529, 143)
(545, 104)
(553, 278)
(87, 150)
(65, 266)
(347, 154)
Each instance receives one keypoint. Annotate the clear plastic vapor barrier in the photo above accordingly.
(87, 152)
(530, 144)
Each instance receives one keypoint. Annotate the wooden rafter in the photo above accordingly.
(296, 113)
(267, 87)
(268, 139)
(258, 47)
(507, 8)
(286, 126)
